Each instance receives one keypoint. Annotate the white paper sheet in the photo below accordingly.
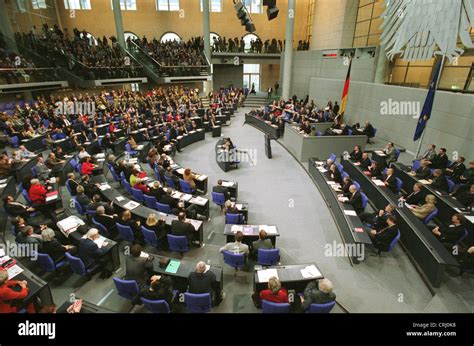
(264, 275)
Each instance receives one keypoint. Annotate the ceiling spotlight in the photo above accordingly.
(272, 10)
(244, 16)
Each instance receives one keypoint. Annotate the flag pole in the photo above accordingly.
(420, 141)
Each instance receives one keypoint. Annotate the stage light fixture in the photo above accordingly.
(244, 16)
(272, 10)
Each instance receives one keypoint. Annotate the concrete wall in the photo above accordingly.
(226, 74)
(308, 64)
(334, 23)
(451, 124)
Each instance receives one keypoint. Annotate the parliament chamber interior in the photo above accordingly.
(236, 156)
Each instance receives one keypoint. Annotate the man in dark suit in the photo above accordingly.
(365, 162)
(156, 190)
(14, 208)
(138, 268)
(378, 221)
(262, 243)
(465, 195)
(317, 292)
(390, 181)
(354, 199)
(346, 184)
(440, 160)
(305, 127)
(385, 236)
(203, 281)
(167, 199)
(356, 154)
(423, 171)
(182, 228)
(414, 198)
(453, 232)
(221, 189)
(72, 183)
(439, 181)
(108, 221)
(89, 252)
(456, 169)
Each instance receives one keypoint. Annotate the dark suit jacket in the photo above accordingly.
(414, 198)
(364, 164)
(89, 252)
(167, 199)
(458, 169)
(137, 268)
(201, 282)
(392, 183)
(312, 295)
(356, 156)
(16, 210)
(108, 222)
(384, 237)
(54, 249)
(345, 187)
(422, 172)
(222, 189)
(440, 183)
(180, 228)
(73, 185)
(261, 244)
(356, 201)
(336, 176)
(451, 234)
(440, 161)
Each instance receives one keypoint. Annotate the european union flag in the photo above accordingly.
(428, 105)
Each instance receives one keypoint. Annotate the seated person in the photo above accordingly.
(25, 153)
(12, 294)
(375, 170)
(42, 171)
(14, 208)
(82, 154)
(72, 183)
(108, 221)
(414, 198)
(275, 293)
(140, 185)
(389, 151)
(134, 177)
(453, 232)
(390, 181)
(379, 220)
(54, 164)
(236, 246)
(335, 174)
(172, 202)
(156, 190)
(59, 153)
(354, 199)
(346, 184)
(90, 189)
(305, 127)
(440, 160)
(317, 292)
(356, 154)
(89, 252)
(27, 236)
(382, 238)
(181, 227)
(97, 202)
(169, 174)
(152, 223)
(37, 192)
(423, 171)
(189, 177)
(426, 209)
(53, 247)
(136, 267)
(132, 142)
(160, 288)
(5, 166)
(364, 163)
(82, 198)
(465, 195)
(126, 220)
(456, 169)
(439, 181)
(465, 259)
(262, 243)
(202, 281)
(468, 176)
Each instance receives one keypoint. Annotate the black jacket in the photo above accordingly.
(312, 295)
(451, 234)
(356, 156)
(414, 198)
(180, 228)
(89, 252)
(422, 172)
(54, 249)
(391, 183)
(440, 162)
(17, 210)
(201, 282)
(384, 237)
(364, 164)
(356, 201)
(440, 183)
(167, 199)
(336, 176)
(137, 268)
(222, 189)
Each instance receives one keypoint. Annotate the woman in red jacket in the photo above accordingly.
(87, 166)
(37, 192)
(274, 293)
(12, 292)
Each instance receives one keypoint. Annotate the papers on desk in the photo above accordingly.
(265, 274)
(69, 224)
(100, 160)
(131, 205)
(380, 153)
(104, 187)
(3, 181)
(202, 177)
(322, 169)
(180, 171)
(343, 199)
(236, 228)
(207, 268)
(167, 147)
(99, 241)
(332, 183)
(120, 198)
(227, 184)
(378, 182)
(269, 229)
(470, 218)
(337, 131)
(173, 267)
(424, 181)
(195, 224)
(319, 163)
(310, 272)
(408, 205)
(144, 254)
(350, 212)
(51, 196)
(52, 180)
(100, 155)
(133, 160)
(14, 271)
(199, 200)
(179, 137)
(336, 187)
(140, 147)
(247, 230)
(2, 186)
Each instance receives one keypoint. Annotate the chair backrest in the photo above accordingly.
(349, 131)
(128, 148)
(365, 199)
(138, 195)
(79, 168)
(397, 154)
(46, 262)
(319, 133)
(339, 167)
(157, 174)
(416, 165)
(127, 187)
(150, 201)
(218, 198)
(333, 157)
(235, 260)
(344, 174)
(463, 236)
(321, 308)
(198, 303)
(68, 187)
(431, 216)
(77, 265)
(451, 185)
(275, 308)
(164, 208)
(78, 206)
(177, 243)
(127, 289)
(185, 186)
(394, 241)
(170, 182)
(357, 185)
(34, 172)
(114, 174)
(26, 196)
(125, 232)
(373, 132)
(233, 219)
(156, 306)
(102, 229)
(268, 257)
(15, 141)
(150, 236)
(399, 183)
(73, 162)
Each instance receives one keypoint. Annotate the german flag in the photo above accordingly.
(345, 91)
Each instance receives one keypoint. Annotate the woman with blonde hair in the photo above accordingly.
(426, 209)
(154, 224)
(275, 293)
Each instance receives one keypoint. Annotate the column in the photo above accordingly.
(6, 27)
(206, 28)
(382, 66)
(119, 23)
(288, 57)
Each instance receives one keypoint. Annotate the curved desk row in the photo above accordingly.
(262, 125)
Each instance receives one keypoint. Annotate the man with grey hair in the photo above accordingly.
(42, 171)
(53, 247)
(90, 253)
(318, 292)
(108, 221)
(202, 280)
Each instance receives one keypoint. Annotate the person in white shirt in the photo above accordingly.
(83, 153)
(25, 153)
(237, 246)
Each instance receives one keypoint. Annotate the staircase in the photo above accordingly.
(255, 101)
(205, 101)
(151, 67)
